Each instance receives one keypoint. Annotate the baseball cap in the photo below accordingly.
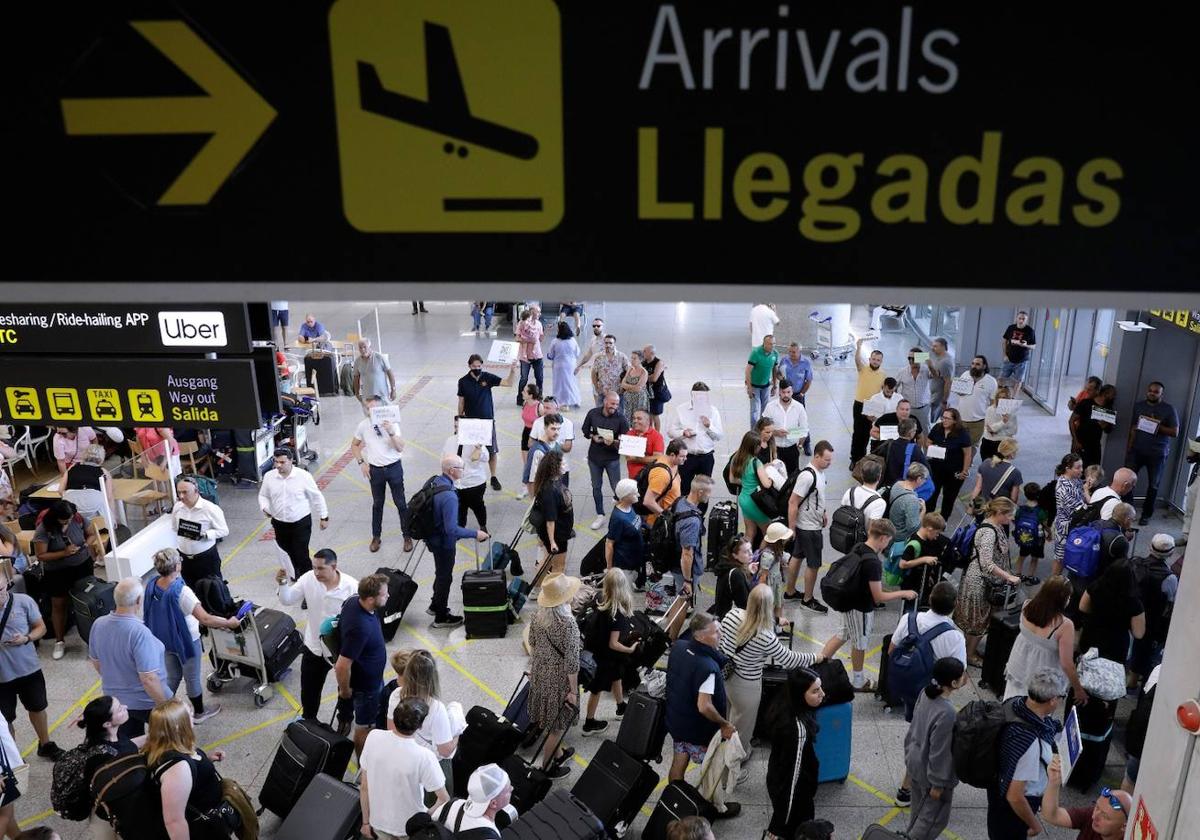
(626, 487)
(1163, 543)
(485, 784)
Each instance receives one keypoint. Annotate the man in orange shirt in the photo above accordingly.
(662, 480)
(654, 443)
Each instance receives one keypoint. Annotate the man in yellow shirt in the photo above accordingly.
(870, 381)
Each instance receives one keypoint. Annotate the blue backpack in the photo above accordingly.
(1027, 529)
(963, 539)
(911, 663)
(1081, 553)
(925, 490)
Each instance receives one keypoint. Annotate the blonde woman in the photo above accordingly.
(190, 784)
(990, 560)
(997, 426)
(997, 477)
(748, 638)
(604, 641)
(419, 680)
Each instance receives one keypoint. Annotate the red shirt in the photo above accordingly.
(1081, 818)
(654, 446)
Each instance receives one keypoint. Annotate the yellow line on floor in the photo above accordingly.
(61, 719)
(433, 648)
(258, 529)
(287, 695)
(457, 645)
(242, 733)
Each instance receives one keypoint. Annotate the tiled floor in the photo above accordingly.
(699, 342)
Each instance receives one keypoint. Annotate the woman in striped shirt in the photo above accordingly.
(748, 638)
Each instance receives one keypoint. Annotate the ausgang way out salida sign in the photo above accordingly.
(1013, 145)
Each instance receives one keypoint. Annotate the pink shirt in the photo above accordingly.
(529, 333)
(530, 412)
(72, 451)
(149, 438)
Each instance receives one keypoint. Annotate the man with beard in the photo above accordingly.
(595, 344)
(971, 394)
(1153, 425)
(475, 400)
(870, 381)
(799, 371)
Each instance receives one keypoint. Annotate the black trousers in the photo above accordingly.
(861, 434)
(694, 465)
(136, 725)
(790, 455)
(293, 538)
(948, 487)
(193, 567)
(313, 671)
(443, 576)
(472, 498)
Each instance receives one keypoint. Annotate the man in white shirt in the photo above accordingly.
(323, 590)
(395, 773)
(595, 344)
(566, 435)
(377, 448)
(762, 323)
(883, 402)
(471, 486)
(197, 524)
(870, 470)
(808, 517)
(1123, 481)
(289, 497)
(700, 430)
(489, 793)
(788, 415)
(912, 381)
(971, 394)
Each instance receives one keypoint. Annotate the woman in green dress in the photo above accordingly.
(750, 471)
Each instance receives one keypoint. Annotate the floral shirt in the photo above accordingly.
(608, 371)
(529, 333)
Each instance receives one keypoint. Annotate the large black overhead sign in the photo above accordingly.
(102, 327)
(181, 393)
(1014, 145)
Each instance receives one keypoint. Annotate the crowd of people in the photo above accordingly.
(921, 434)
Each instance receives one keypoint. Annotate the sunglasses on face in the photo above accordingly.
(1107, 793)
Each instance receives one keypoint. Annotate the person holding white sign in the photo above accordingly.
(475, 399)
(912, 380)
(471, 486)
(1154, 426)
(949, 458)
(999, 422)
(971, 394)
(698, 424)
(791, 425)
(1104, 819)
(377, 447)
(198, 524)
(1091, 420)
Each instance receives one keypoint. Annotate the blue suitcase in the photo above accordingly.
(833, 741)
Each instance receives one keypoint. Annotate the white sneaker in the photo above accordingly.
(524, 495)
(597, 523)
(60, 650)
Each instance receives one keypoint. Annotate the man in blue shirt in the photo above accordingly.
(475, 400)
(129, 658)
(313, 330)
(1153, 424)
(798, 370)
(446, 532)
(362, 656)
(688, 523)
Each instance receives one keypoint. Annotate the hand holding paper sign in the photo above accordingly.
(1149, 425)
(381, 414)
(701, 403)
(889, 432)
(632, 445)
(474, 432)
(503, 352)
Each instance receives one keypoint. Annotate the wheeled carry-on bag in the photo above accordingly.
(722, 525)
(560, 816)
(485, 603)
(308, 747)
(90, 599)
(328, 809)
(401, 589)
(1003, 630)
(615, 786)
(678, 801)
(489, 738)
(326, 375)
(833, 741)
(281, 640)
(530, 783)
(643, 729)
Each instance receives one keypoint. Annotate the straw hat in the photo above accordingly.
(777, 532)
(557, 589)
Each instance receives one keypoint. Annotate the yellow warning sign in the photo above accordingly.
(64, 404)
(449, 114)
(144, 404)
(105, 404)
(23, 404)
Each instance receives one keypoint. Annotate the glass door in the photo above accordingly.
(1043, 381)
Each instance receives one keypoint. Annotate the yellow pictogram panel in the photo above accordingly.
(145, 405)
(105, 404)
(449, 114)
(23, 403)
(64, 404)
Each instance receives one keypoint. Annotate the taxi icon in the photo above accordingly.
(22, 404)
(105, 408)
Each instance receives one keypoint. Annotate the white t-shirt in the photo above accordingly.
(762, 323)
(474, 472)
(858, 494)
(709, 686)
(1110, 498)
(398, 771)
(377, 448)
(792, 417)
(436, 728)
(566, 432)
(952, 643)
(879, 405)
(811, 516)
(1031, 767)
(973, 406)
(188, 602)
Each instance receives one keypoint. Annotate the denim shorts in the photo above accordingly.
(366, 707)
(1014, 370)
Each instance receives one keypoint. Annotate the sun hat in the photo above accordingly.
(557, 589)
(777, 532)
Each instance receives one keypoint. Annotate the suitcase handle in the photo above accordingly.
(546, 737)
(414, 560)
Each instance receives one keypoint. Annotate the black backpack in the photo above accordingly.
(213, 594)
(1047, 500)
(643, 485)
(663, 538)
(421, 525)
(734, 487)
(70, 795)
(842, 585)
(1085, 514)
(976, 746)
(1149, 573)
(848, 525)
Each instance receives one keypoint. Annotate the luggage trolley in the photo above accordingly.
(242, 653)
(824, 346)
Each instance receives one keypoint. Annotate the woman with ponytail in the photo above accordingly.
(927, 754)
(100, 722)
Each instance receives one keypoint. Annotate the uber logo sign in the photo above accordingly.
(192, 329)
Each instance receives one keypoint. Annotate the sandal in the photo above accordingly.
(977, 662)
(866, 688)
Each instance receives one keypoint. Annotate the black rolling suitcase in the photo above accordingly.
(594, 562)
(327, 378)
(560, 816)
(643, 729)
(281, 641)
(90, 599)
(328, 809)
(401, 589)
(308, 747)
(1096, 731)
(774, 682)
(489, 738)
(485, 603)
(655, 640)
(677, 801)
(883, 690)
(530, 783)
(722, 525)
(615, 786)
(1003, 630)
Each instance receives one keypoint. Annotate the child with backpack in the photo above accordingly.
(1030, 525)
(925, 560)
(927, 753)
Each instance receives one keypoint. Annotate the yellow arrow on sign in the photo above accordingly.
(231, 111)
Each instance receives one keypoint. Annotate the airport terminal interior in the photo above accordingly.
(704, 342)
